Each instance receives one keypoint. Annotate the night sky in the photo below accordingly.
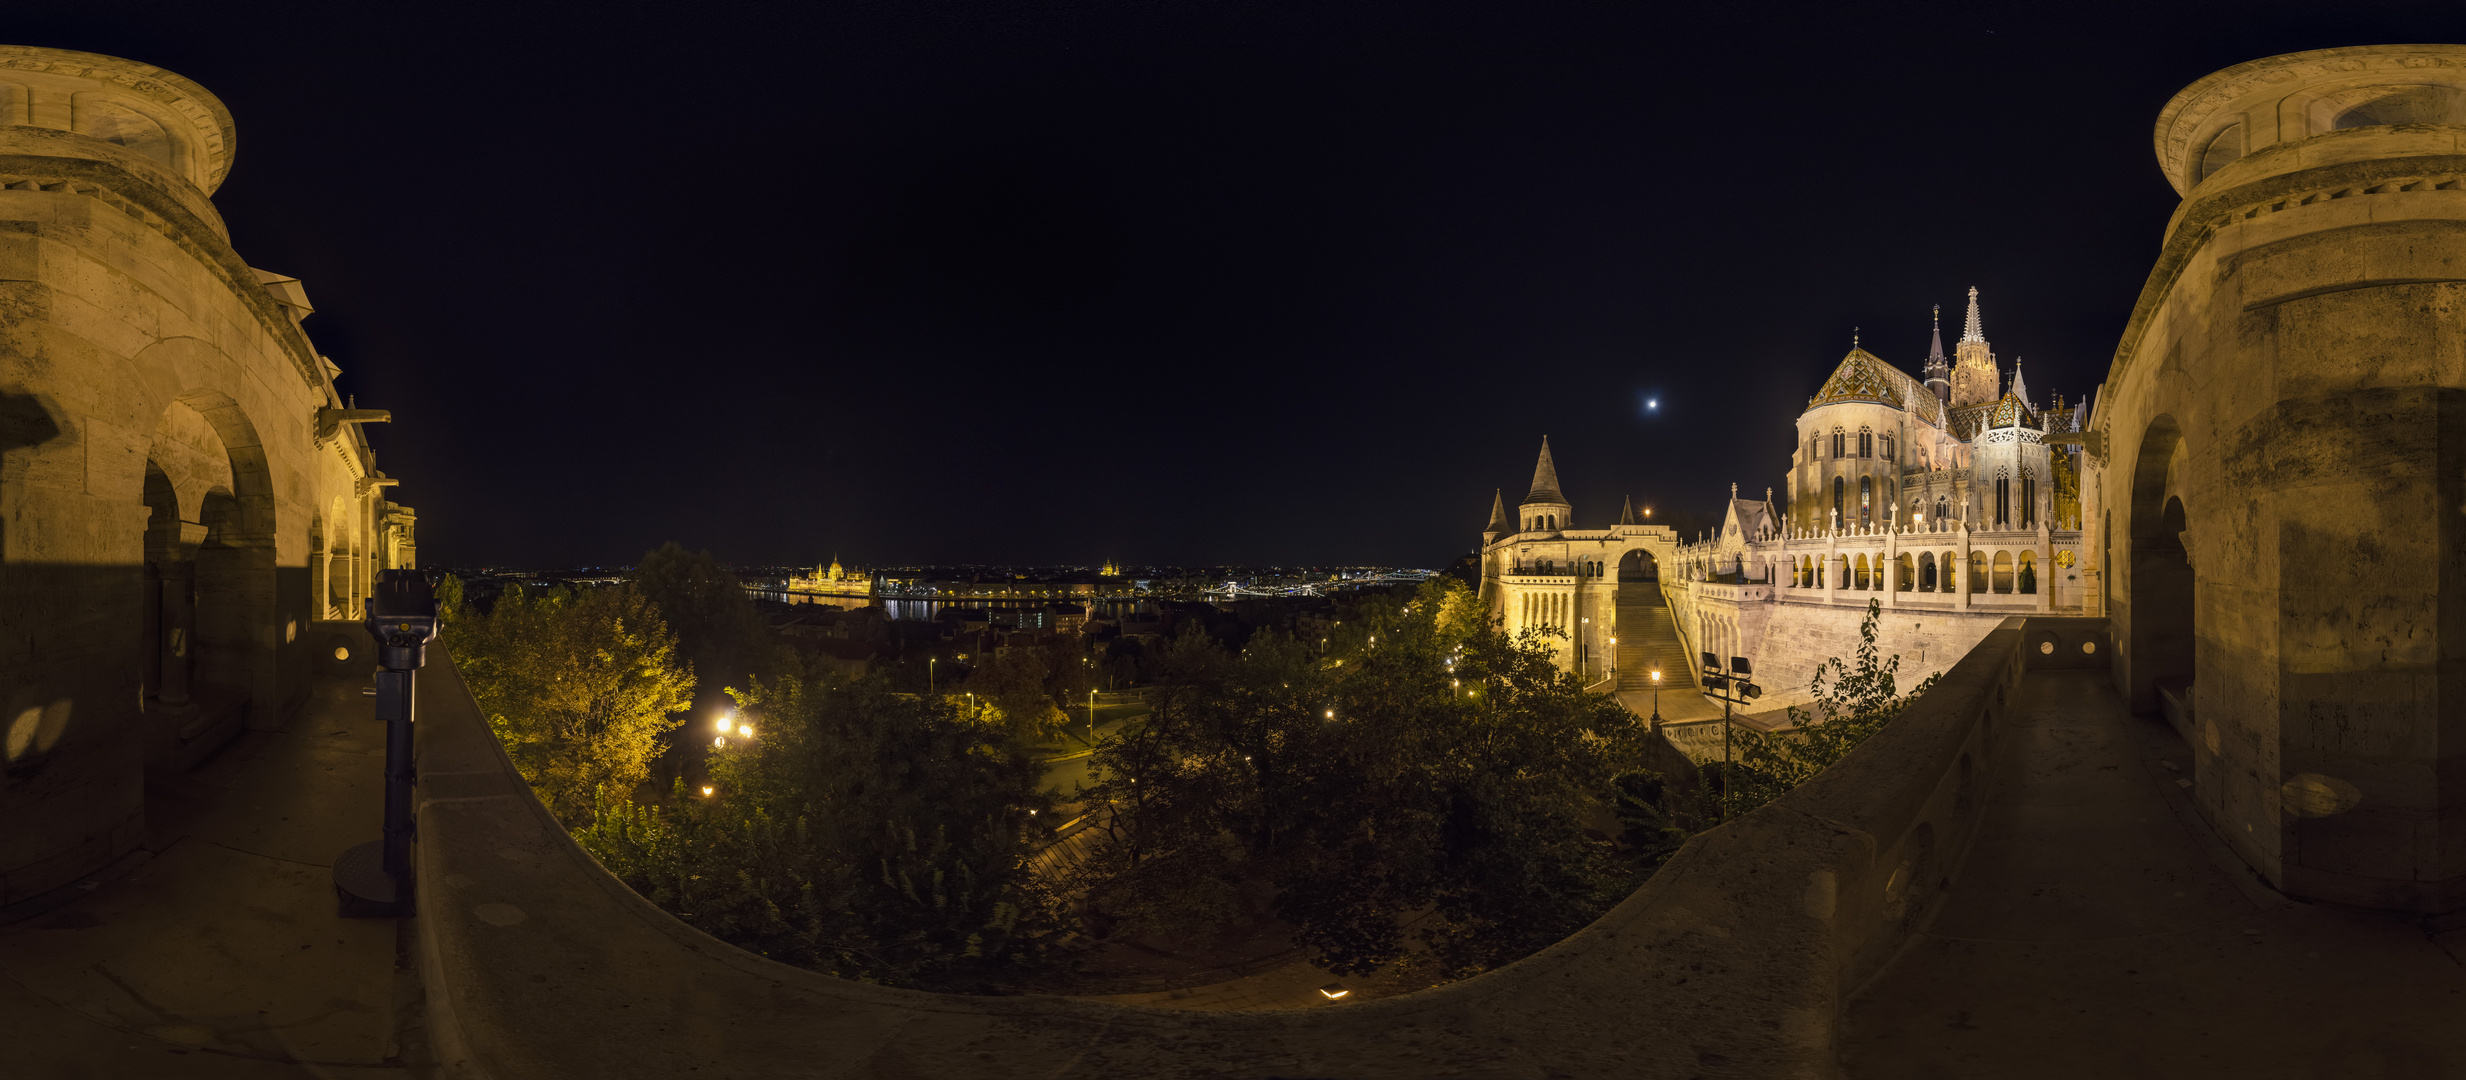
(1292, 283)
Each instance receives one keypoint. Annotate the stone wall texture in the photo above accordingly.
(2286, 421)
(162, 482)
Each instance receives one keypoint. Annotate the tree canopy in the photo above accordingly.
(868, 834)
(1420, 793)
(579, 685)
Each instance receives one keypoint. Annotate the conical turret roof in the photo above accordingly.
(1545, 479)
(1627, 515)
(1498, 513)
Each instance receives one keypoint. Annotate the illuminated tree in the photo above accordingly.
(578, 685)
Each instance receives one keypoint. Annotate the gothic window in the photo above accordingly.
(1866, 443)
(1837, 489)
(2003, 500)
(2029, 501)
(1888, 448)
(1838, 443)
(1866, 499)
(1942, 508)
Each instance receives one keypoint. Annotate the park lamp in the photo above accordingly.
(373, 880)
(1334, 991)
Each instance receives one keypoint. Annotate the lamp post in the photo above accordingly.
(1656, 701)
(929, 662)
(1734, 686)
(374, 879)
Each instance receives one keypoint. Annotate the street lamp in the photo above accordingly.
(1734, 686)
(1656, 701)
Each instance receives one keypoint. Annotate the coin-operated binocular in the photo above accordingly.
(374, 879)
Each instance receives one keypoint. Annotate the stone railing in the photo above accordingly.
(1733, 960)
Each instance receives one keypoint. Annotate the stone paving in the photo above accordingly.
(2099, 928)
(216, 950)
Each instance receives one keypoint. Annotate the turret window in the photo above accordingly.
(2003, 500)
(1866, 443)
(2029, 501)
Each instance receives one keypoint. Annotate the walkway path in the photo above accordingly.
(2100, 929)
(216, 951)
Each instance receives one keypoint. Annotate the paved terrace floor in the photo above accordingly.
(215, 951)
(2100, 929)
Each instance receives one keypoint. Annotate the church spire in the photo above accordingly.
(1935, 347)
(1545, 478)
(1974, 331)
(1626, 515)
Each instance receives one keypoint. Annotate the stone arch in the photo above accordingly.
(1639, 565)
(1926, 571)
(2154, 608)
(2025, 573)
(2003, 572)
(235, 631)
(1977, 571)
(1905, 573)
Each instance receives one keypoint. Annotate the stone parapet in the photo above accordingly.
(1740, 950)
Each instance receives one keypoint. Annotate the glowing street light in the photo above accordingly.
(1656, 699)
(706, 791)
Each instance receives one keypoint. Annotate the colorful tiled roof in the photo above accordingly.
(2011, 411)
(1862, 376)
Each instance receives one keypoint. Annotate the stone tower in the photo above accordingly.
(1974, 379)
(1545, 509)
(194, 519)
(2286, 421)
(1938, 373)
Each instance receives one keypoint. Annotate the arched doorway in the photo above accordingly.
(1639, 565)
(2154, 608)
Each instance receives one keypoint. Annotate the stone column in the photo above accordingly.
(179, 622)
(1832, 571)
(1892, 563)
(1965, 583)
(2046, 567)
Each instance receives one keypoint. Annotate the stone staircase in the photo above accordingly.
(1648, 641)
